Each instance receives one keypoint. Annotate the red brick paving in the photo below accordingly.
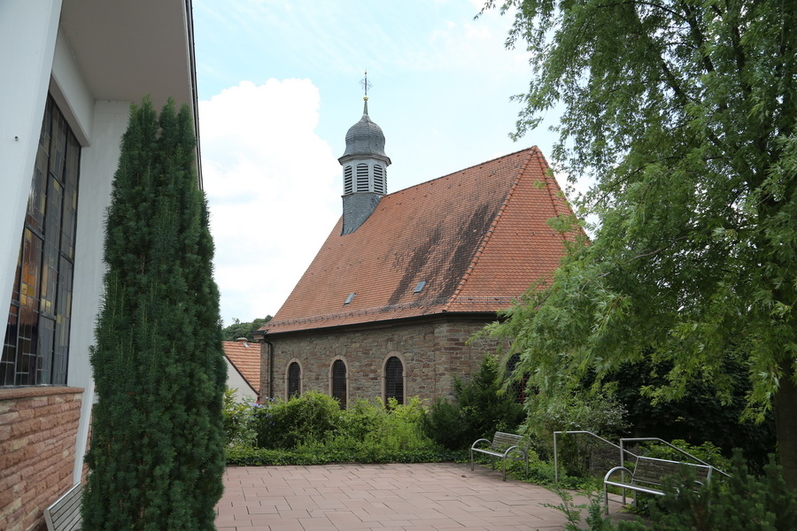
(391, 497)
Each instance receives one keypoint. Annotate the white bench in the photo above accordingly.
(503, 445)
(64, 514)
(648, 474)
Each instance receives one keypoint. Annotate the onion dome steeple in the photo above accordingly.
(364, 169)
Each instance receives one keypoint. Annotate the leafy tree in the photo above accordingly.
(238, 329)
(157, 444)
(683, 112)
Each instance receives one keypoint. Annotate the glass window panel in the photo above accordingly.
(9, 356)
(38, 192)
(44, 137)
(58, 152)
(31, 270)
(45, 349)
(17, 276)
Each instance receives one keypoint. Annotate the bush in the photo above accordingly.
(578, 454)
(742, 502)
(370, 432)
(285, 425)
(237, 420)
(480, 408)
(707, 452)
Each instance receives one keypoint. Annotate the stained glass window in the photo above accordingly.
(36, 344)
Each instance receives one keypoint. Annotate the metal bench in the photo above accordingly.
(648, 474)
(503, 445)
(64, 514)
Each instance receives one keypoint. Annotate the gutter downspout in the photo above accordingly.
(270, 366)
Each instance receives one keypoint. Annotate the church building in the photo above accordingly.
(404, 280)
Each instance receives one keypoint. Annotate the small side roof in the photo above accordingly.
(471, 241)
(245, 357)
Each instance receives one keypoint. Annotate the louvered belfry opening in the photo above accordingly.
(380, 186)
(362, 177)
(348, 186)
(394, 380)
(339, 382)
(294, 379)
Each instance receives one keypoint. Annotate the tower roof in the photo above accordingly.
(365, 138)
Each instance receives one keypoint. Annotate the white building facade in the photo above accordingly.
(69, 71)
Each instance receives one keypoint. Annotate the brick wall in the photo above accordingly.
(38, 430)
(432, 352)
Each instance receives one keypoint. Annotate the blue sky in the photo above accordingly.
(279, 86)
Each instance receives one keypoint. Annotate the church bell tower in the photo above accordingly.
(364, 169)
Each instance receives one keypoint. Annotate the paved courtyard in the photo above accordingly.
(422, 497)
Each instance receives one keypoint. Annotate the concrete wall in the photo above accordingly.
(432, 352)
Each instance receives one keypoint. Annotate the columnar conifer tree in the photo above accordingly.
(156, 458)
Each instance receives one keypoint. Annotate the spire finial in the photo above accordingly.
(365, 84)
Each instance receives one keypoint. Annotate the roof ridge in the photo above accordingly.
(547, 172)
(556, 195)
(488, 235)
(531, 148)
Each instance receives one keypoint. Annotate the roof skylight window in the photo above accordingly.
(419, 287)
(349, 298)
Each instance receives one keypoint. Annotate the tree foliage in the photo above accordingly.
(156, 457)
(238, 329)
(683, 112)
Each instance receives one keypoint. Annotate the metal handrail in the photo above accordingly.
(583, 432)
(656, 439)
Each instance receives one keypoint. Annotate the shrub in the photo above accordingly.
(370, 432)
(601, 415)
(707, 452)
(237, 419)
(480, 408)
(285, 425)
(742, 502)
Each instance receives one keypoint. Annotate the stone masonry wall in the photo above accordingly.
(38, 430)
(431, 352)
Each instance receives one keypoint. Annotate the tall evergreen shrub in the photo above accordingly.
(157, 445)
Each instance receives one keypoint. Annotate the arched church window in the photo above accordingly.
(294, 380)
(518, 385)
(339, 382)
(394, 380)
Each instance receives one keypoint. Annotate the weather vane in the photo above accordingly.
(365, 84)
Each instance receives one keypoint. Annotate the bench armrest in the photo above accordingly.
(472, 446)
(514, 448)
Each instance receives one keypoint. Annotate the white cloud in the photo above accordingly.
(272, 186)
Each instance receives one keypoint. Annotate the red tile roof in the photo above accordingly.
(478, 238)
(245, 357)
